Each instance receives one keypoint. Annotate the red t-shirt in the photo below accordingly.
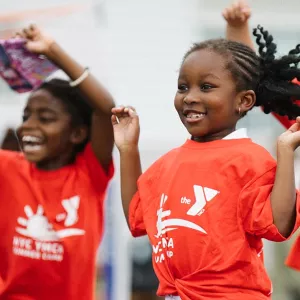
(206, 208)
(51, 224)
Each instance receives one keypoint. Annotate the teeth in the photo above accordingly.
(30, 138)
(194, 115)
(30, 148)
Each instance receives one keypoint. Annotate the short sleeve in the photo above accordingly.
(136, 220)
(88, 161)
(147, 191)
(255, 208)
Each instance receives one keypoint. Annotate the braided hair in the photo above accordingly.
(269, 77)
(75, 104)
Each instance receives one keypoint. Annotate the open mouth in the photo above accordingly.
(31, 143)
(193, 116)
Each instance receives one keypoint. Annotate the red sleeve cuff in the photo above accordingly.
(277, 237)
(135, 217)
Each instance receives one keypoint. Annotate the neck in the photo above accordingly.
(213, 136)
(57, 162)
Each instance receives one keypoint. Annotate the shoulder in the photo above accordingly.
(250, 163)
(256, 156)
(87, 164)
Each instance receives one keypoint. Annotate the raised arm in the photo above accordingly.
(95, 93)
(283, 197)
(126, 131)
(237, 28)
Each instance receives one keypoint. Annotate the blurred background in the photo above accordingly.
(135, 47)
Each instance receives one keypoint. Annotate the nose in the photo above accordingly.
(30, 123)
(191, 97)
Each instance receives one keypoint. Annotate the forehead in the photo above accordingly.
(203, 62)
(44, 100)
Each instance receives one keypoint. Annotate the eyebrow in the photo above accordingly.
(41, 110)
(183, 77)
(211, 75)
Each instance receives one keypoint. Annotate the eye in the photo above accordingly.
(25, 117)
(206, 86)
(46, 119)
(182, 87)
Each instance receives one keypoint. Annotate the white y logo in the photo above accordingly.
(71, 206)
(202, 195)
(167, 225)
(37, 225)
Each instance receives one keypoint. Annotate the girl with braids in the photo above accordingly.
(207, 205)
(51, 216)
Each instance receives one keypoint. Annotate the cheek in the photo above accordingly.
(221, 104)
(58, 132)
(178, 100)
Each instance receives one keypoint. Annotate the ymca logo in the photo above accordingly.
(202, 195)
(37, 225)
(39, 240)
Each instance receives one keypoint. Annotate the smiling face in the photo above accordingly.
(207, 100)
(46, 135)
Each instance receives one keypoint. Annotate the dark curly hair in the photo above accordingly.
(270, 78)
(74, 102)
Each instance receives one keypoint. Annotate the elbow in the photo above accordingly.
(286, 226)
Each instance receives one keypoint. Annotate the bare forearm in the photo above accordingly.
(283, 197)
(96, 94)
(131, 170)
(240, 34)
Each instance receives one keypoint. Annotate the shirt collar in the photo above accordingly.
(237, 134)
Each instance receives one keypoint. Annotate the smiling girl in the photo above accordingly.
(51, 215)
(207, 205)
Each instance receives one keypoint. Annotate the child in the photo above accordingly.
(238, 30)
(207, 205)
(51, 216)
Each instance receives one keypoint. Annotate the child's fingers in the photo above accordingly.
(243, 4)
(33, 28)
(132, 112)
(230, 13)
(295, 126)
(118, 109)
(246, 12)
(27, 33)
(235, 10)
(114, 120)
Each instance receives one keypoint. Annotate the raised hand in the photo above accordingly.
(290, 139)
(126, 127)
(37, 41)
(237, 14)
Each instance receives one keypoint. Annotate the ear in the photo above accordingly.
(79, 134)
(246, 101)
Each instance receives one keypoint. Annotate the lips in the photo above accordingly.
(193, 116)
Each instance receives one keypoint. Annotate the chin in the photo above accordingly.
(33, 158)
(196, 132)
